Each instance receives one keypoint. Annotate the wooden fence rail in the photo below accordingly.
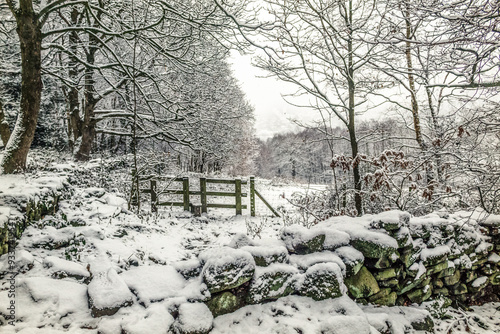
(189, 205)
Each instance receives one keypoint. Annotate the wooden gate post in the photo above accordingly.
(252, 196)
(185, 192)
(154, 197)
(203, 196)
(237, 188)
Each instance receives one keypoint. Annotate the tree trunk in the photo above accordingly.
(89, 120)
(411, 80)
(30, 38)
(74, 120)
(88, 132)
(351, 127)
(4, 127)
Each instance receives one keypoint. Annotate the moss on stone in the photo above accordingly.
(363, 284)
(452, 280)
(224, 303)
(420, 295)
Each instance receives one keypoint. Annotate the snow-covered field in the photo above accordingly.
(141, 254)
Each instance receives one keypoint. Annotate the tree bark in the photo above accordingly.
(88, 126)
(411, 80)
(74, 120)
(358, 202)
(4, 127)
(30, 38)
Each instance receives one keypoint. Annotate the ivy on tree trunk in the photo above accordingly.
(30, 38)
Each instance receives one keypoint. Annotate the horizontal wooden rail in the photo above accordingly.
(223, 181)
(171, 204)
(224, 206)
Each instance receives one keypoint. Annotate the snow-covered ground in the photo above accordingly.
(143, 254)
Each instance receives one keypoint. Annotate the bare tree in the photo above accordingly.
(320, 46)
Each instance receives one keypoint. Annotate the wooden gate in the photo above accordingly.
(191, 204)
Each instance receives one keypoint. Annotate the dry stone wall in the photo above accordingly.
(24, 201)
(386, 259)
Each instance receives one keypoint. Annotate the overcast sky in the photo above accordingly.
(272, 113)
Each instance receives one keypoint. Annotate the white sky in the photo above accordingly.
(272, 113)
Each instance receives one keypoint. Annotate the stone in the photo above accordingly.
(410, 256)
(362, 285)
(411, 284)
(442, 292)
(272, 282)
(375, 250)
(226, 268)
(334, 239)
(392, 283)
(438, 283)
(389, 300)
(265, 256)
(381, 263)
(391, 220)
(321, 281)
(194, 318)
(433, 256)
(424, 283)
(386, 274)
(452, 280)
(381, 294)
(459, 289)
(420, 295)
(352, 258)
(303, 262)
(425, 324)
(403, 237)
(478, 284)
(300, 240)
(108, 293)
(224, 303)
(449, 271)
(189, 269)
(488, 270)
(437, 268)
(469, 276)
(495, 278)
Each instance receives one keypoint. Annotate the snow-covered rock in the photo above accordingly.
(108, 293)
(226, 268)
(194, 318)
(154, 283)
(60, 268)
(272, 282)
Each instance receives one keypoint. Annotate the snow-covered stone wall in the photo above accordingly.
(24, 200)
(386, 259)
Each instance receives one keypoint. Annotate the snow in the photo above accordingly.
(492, 220)
(268, 252)
(295, 314)
(108, 290)
(57, 265)
(167, 246)
(335, 239)
(349, 254)
(305, 261)
(357, 229)
(218, 257)
(429, 253)
(194, 318)
(479, 281)
(494, 258)
(154, 283)
(155, 319)
(54, 299)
